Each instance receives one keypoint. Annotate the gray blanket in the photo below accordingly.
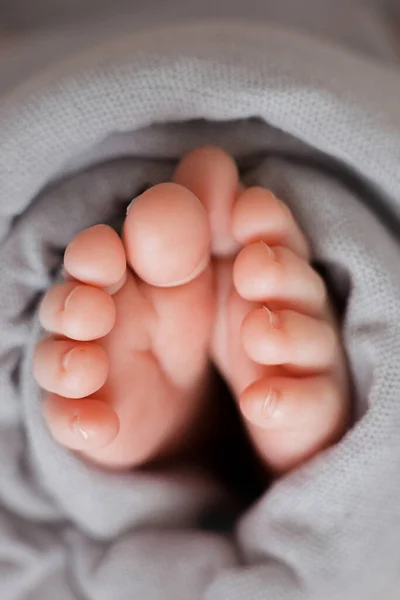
(307, 97)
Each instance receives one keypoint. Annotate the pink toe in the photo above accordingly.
(71, 369)
(84, 425)
(259, 215)
(212, 175)
(292, 419)
(96, 256)
(167, 236)
(79, 312)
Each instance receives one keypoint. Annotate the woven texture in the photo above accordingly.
(80, 136)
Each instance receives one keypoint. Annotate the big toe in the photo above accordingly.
(167, 236)
(212, 175)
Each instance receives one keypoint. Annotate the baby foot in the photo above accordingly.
(287, 366)
(275, 338)
(126, 364)
(297, 398)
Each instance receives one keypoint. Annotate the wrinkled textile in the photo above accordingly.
(307, 97)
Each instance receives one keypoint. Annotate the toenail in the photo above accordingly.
(77, 428)
(141, 191)
(113, 289)
(269, 249)
(68, 298)
(203, 264)
(273, 318)
(128, 208)
(65, 359)
(285, 208)
(270, 404)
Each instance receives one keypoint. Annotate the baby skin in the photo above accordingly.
(205, 271)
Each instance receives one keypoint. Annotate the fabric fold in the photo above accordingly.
(320, 126)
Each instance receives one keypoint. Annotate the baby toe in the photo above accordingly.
(79, 312)
(300, 416)
(277, 275)
(299, 342)
(167, 236)
(71, 369)
(96, 256)
(84, 425)
(259, 215)
(212, 175)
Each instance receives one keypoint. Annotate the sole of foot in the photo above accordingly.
(125, 364)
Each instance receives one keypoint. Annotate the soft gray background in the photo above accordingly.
(325, 127)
